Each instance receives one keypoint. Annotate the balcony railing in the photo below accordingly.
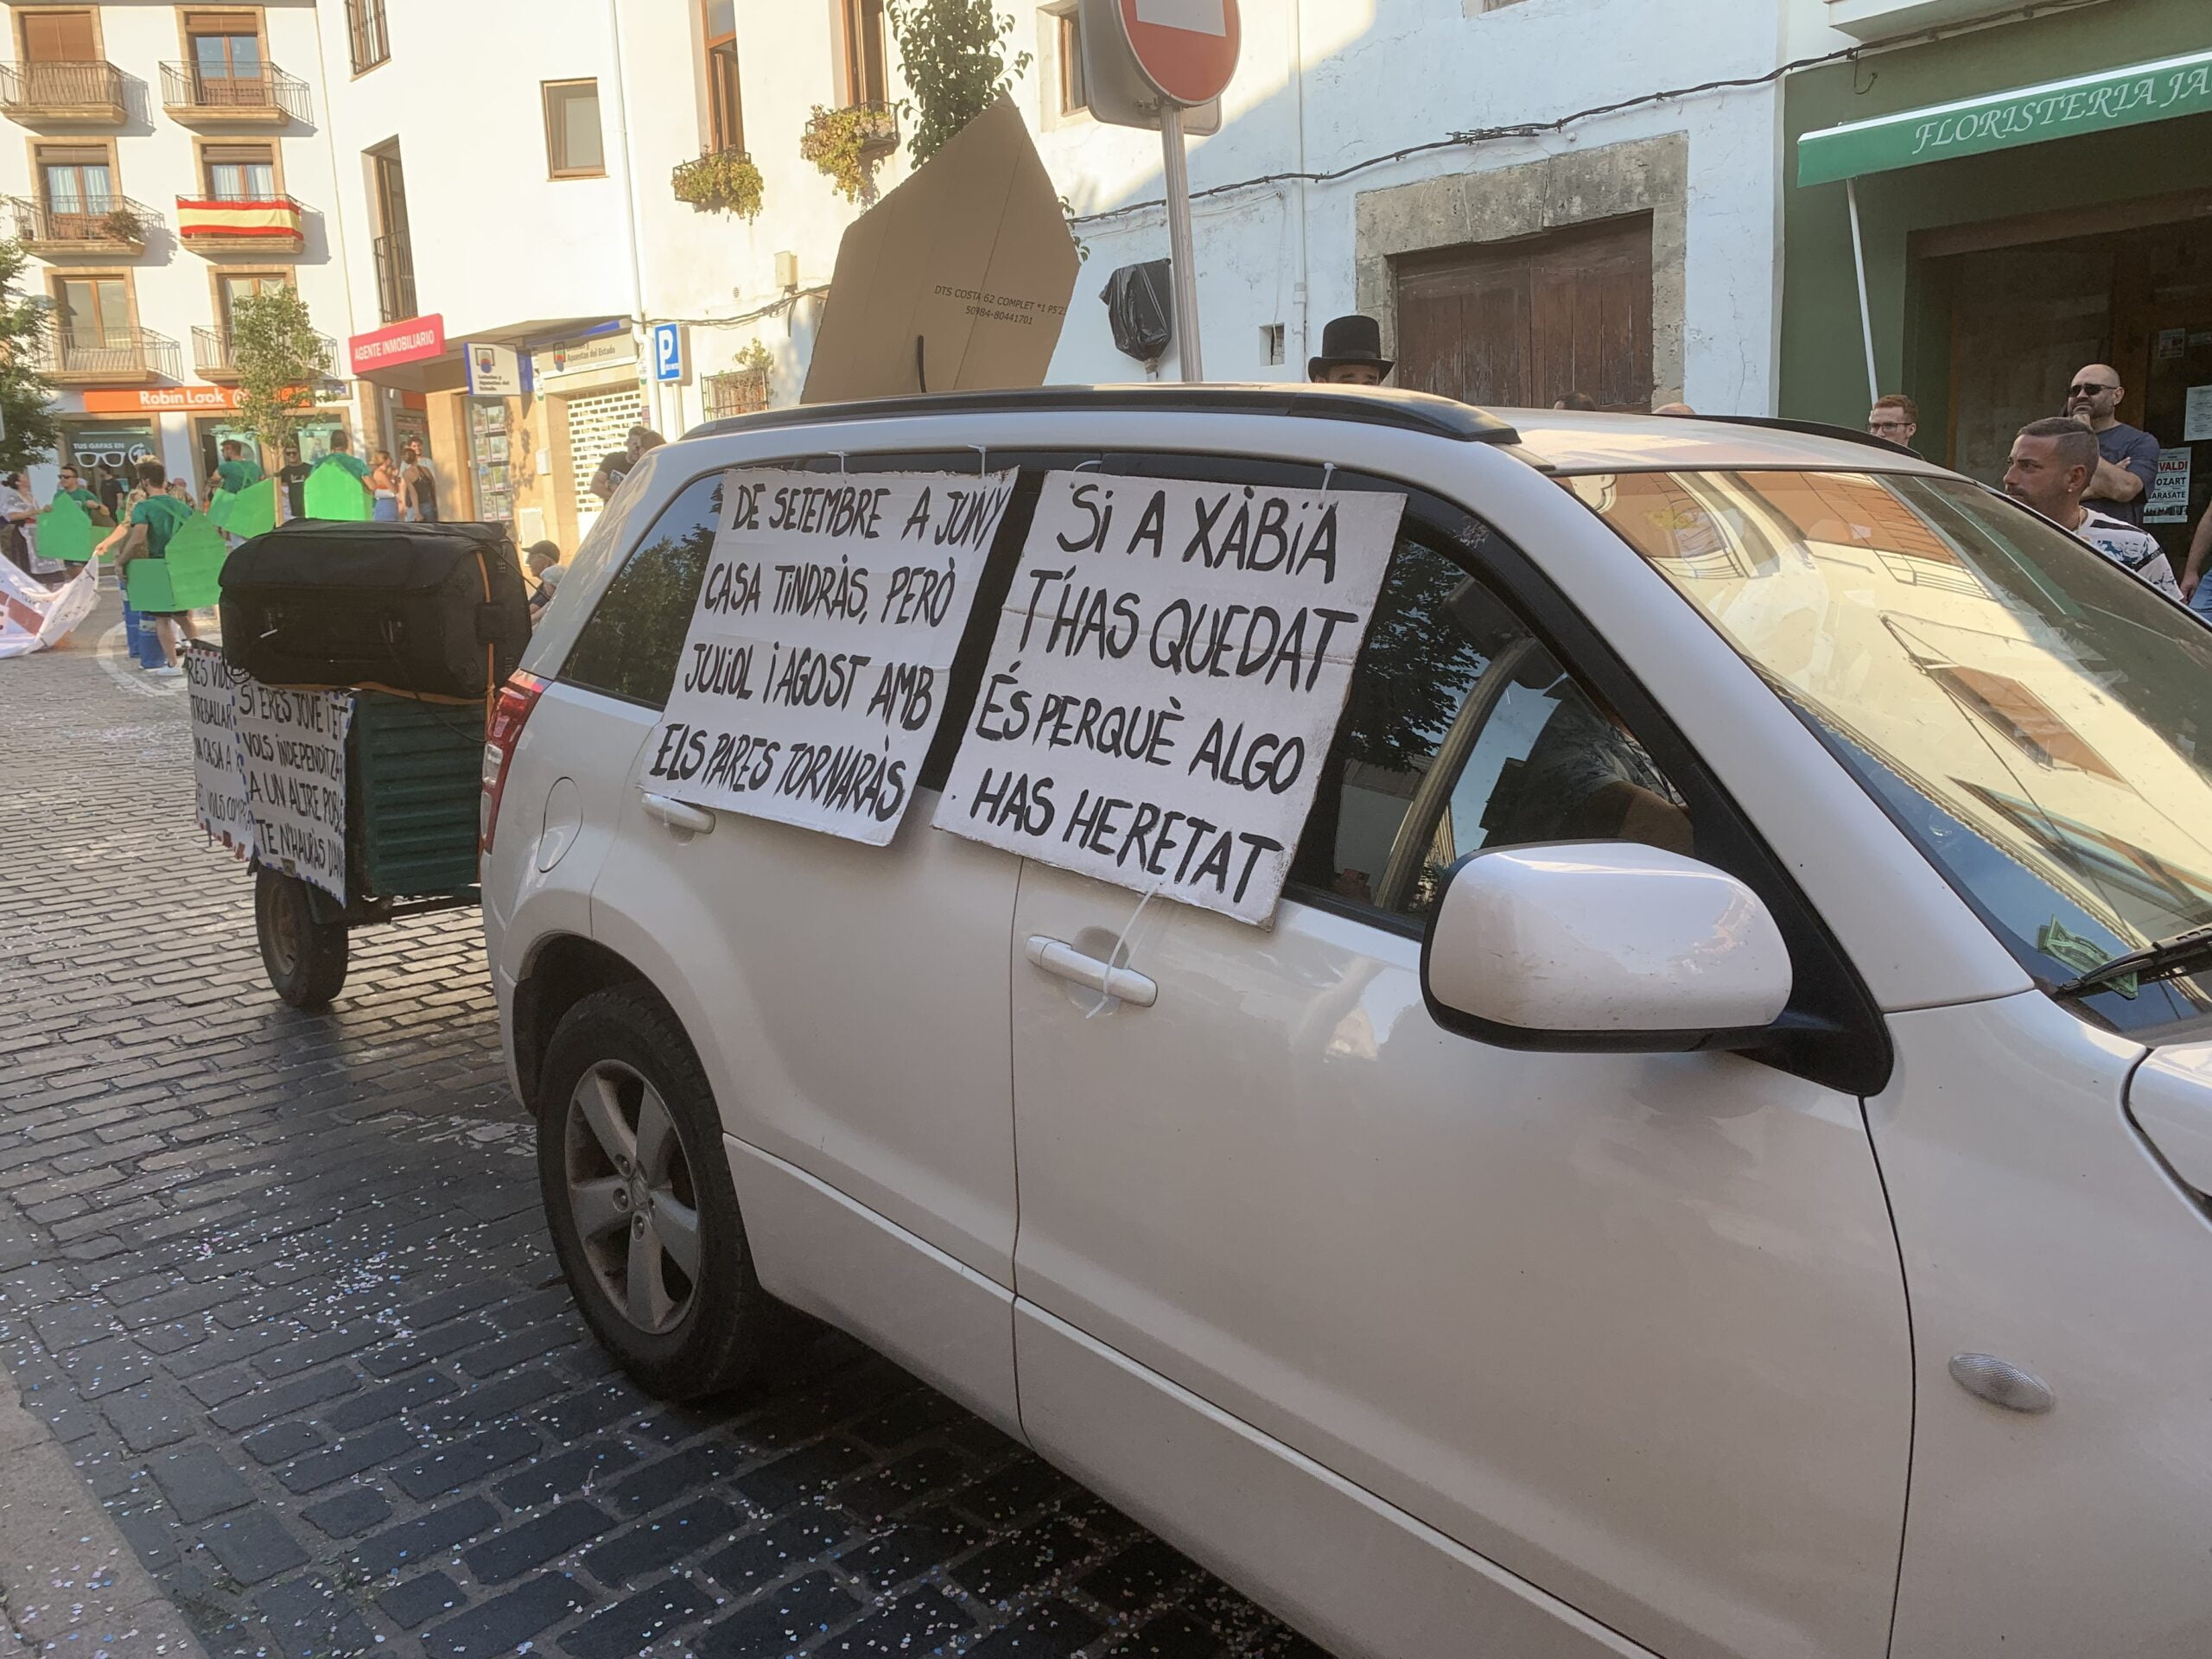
(191, 93)
(262, 223)
(364, 33)
(120, 354)
(739, 391)
(101, 225)
(395, 263)
(37, 92)
(214, 355)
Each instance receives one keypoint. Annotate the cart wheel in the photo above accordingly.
(305, 958)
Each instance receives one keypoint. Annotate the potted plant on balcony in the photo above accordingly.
(122, 222)
(721, 181)
(846, 143)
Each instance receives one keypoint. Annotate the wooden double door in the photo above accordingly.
(1524, 323)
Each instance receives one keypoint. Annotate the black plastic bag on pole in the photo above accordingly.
(1140, 305)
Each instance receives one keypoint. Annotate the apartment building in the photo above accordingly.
(1606, 224)
(172, 158)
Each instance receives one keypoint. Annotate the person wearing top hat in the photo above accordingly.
(1352, 353)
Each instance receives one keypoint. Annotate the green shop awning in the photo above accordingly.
(1974, 126)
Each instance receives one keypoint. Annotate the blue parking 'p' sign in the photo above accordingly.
(668, 350)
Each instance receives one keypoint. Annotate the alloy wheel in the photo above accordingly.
(630, 1196)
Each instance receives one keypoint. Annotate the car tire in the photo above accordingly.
(305, 959)
(643, 1215)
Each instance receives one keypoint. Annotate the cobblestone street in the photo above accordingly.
(278, 1283)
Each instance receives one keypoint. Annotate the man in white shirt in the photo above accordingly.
(2054, 462)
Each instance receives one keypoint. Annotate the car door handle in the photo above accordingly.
(677, 815)
(1063, 961)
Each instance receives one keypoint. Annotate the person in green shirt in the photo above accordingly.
(342, 451)
(237, 470)
(153, 521)
(73, 486)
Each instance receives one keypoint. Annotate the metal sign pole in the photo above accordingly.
(1177, 180)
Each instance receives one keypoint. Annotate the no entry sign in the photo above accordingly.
(1188, 48)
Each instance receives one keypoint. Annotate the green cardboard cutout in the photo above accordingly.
(146, 584)
(64, 531)
(333, 492)
(219, 509)
(189, 576)
(254, 511)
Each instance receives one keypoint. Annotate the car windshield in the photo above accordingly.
(2032, 716)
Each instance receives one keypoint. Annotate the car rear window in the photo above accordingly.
(631, 645)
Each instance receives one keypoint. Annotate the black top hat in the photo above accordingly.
(1354, 339)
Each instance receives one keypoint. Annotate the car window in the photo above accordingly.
(631, 645)
(1462, 732)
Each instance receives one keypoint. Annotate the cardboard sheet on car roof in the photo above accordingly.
(958, 280)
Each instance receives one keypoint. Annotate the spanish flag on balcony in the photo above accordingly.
(278, 219)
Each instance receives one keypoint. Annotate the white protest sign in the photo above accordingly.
(2168, 501)
(35, 617)
(293, 745)
(816, 668)
(218, 762)
(1167, 676)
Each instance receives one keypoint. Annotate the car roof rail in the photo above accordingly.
(1811, 428)
(1408, 411)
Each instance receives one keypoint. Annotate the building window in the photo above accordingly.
(364, 33)
(56, 37)
(392, 252)
(1074, 96)
(867, 71)
(239, 172)
(737, 392)
(573, 148)
(92, 313)
(227, 66)
(725, 99)
(76, 183)
(232, 286)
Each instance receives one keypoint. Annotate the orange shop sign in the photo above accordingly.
(159, 400)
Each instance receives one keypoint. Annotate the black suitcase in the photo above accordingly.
(431, 611)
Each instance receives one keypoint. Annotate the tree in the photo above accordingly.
(280, 359)
(26, 396)
(954, 52)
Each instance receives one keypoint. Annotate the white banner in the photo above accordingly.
(2168, 502)
(219, 786)
(1167, 674)
(35, 617)
(292, 744)
(814, 674)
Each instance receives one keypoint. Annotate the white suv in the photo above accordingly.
(1709, 1159)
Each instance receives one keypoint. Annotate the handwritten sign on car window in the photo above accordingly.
(1167, 673)
(816, 667)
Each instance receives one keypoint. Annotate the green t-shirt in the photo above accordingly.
(239, 475)
(353, 464)
(161, 514)
(83, 497)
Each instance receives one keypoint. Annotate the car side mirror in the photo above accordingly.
(1609, 947)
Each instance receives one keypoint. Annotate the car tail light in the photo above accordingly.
(517, 698)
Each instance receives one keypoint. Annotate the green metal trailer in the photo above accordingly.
(413, 781)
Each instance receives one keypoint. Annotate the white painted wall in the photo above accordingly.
(1324, 83)
(155, 163)
(497, 241)
(1327, 84)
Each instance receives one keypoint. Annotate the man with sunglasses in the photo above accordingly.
(2128, 456)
